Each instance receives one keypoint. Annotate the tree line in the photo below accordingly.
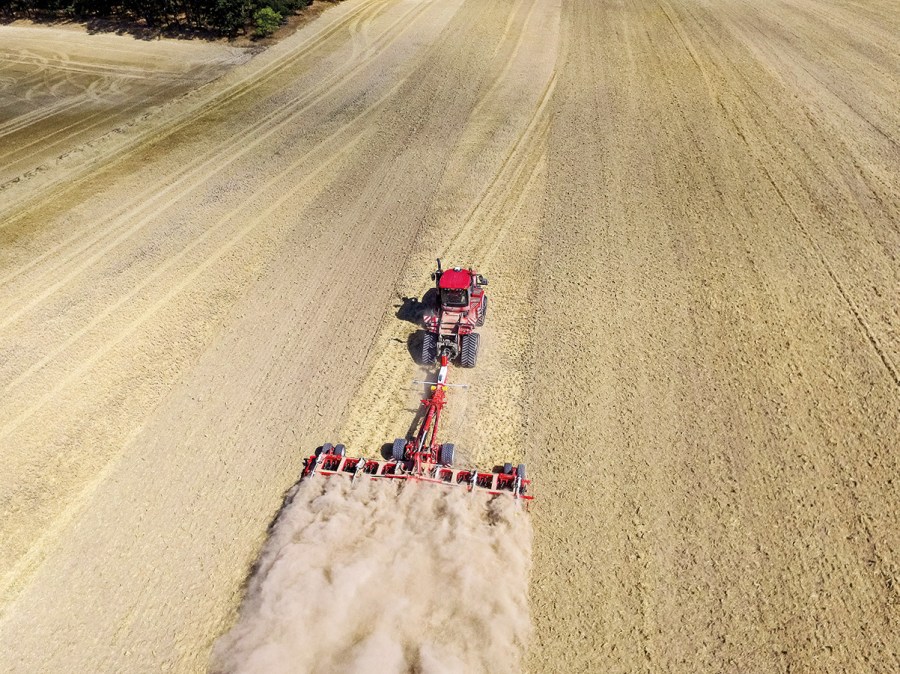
(223, 17)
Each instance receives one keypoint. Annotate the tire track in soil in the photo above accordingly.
(251, 81)
(362, 127)
(396, 639)
(13, 577)
(84, 365)
(147, 198)
(700, 465)
(281, 118)
(135, 323)
(383, 406)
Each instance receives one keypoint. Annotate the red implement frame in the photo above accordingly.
(423, 458)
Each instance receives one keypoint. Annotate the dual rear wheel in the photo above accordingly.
(429, 348)
(468, 352)
(520, 470)
(447, 455)
(328, 448)
(398, 451)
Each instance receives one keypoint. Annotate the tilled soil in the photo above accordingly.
(688, 213)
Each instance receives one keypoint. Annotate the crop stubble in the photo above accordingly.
(720, 247)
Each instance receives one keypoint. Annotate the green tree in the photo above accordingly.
(266, 20)
(228, 16)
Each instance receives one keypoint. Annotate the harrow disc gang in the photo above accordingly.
(328, 462)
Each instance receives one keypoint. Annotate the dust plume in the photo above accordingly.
(374, 577)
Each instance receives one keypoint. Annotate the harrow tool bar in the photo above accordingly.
(354, 467)
(422, 458)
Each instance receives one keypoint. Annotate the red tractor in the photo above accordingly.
(460, 307)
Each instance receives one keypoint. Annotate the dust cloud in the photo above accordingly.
(375, 577)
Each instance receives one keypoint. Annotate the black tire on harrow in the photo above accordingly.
(507, 469)
(520, 471)
(447, 455)
(327, 448)
(398, 451)
(469, 353)
(340, 450)
(483, 313)
(429, 348)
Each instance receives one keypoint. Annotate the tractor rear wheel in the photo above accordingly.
(482, 314)
(340, 450)
(507, 469)
(398, 451)
(327, 448)
(468, 355)
(447, 455)
(429, 348)
(520, 471)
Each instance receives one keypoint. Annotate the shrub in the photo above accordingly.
(267, 21)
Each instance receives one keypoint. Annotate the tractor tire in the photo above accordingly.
(507, 469)
(398, 451)
(340, 450)
(468, 355)
(520, 471)
(327, 448)
(429, 348)
(447, 455)
(483, 313)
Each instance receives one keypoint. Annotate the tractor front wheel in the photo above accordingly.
(482, 312)
(468, 355)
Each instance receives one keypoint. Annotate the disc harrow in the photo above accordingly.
(422, 458)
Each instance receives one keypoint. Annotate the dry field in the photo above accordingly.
(67, 96)
(689, 213)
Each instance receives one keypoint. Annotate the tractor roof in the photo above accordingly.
(455, 279)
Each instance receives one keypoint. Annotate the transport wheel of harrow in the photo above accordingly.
(469, 353)
(339, 450)
(507, 469)
(447, 455)
(429, 348)
(327, 448)
(398, 451)
(483, 313)
(520, 471)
